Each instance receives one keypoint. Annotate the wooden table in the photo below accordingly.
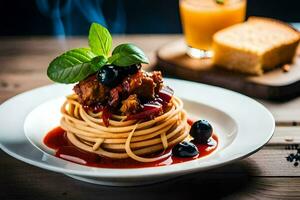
(266, 174)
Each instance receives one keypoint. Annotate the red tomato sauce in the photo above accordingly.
(56, 139)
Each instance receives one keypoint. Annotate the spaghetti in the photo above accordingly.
(124, 138)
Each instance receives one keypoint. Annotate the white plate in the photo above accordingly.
(242, 125)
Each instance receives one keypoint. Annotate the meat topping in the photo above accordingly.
(130, 105)
(126, 96)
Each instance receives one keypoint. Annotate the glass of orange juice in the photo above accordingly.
(202, 18)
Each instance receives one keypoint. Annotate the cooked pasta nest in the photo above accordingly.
(124, 138)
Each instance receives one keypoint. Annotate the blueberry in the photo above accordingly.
(201, 131)
(132, 69)
(185, 149)
(108, 75)
(111, 75)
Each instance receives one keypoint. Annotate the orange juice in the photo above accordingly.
(202, 18)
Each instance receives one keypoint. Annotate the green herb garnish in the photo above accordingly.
(77, 64)
(126, 55)
(100, 40)
(72, 66)
(220, 1)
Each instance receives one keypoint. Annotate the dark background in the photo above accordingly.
(73, 17)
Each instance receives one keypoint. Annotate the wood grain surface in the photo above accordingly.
(265, 175)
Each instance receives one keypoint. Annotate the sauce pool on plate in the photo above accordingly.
(56, 139)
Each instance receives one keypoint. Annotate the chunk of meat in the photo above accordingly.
(90, 91)
(139, 86)
(130, 105)
(158, 80)
(115, 96)
(145, 89)
(143, 84)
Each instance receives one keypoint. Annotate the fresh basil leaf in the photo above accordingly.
(126, 55)
(98, 62)
(100, 39)
(72, 66)
(113, 58)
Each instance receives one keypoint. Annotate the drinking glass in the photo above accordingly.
(202, 18)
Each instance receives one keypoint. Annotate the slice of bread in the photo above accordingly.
(254, 46)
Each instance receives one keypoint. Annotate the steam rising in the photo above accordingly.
(64, 15)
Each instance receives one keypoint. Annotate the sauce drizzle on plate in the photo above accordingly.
(56, 139)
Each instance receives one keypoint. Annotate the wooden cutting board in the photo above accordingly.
(274, 85)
